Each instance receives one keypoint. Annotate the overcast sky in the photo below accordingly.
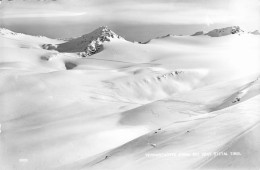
(135, 19)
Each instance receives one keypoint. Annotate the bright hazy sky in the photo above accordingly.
(134, 19)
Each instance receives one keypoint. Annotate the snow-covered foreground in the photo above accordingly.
(106, 103)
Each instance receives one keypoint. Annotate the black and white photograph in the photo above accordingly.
(129, 84)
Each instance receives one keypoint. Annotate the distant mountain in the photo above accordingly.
(213, 33)
(198, 33)
(160, 37)
(92, 43)
(225, 31)
(87, 44)
(256, 32)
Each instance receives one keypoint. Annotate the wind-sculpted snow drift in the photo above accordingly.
(151, 87)
(96, 100)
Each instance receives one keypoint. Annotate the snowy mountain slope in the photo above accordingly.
(58, 98)
(184, 137)
(60, 110)
(246, 145)
(248, 91)
(186, 104)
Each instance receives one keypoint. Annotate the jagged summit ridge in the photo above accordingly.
(103, 34)
(87, 44)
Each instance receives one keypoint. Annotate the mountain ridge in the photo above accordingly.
(92, 43)
(87, 44)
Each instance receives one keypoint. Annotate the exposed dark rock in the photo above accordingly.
(69, 65)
